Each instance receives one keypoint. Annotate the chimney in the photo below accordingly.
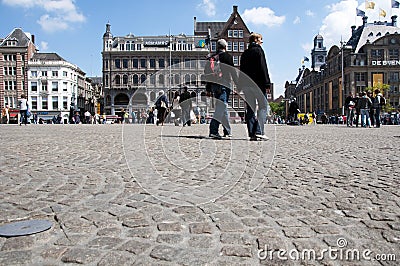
(33, 39)
(394, 20)
(235, 9)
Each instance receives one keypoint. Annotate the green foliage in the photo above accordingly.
(278, 108)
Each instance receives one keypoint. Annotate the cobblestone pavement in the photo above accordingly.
(147, 195)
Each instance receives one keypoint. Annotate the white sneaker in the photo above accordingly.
(262, 137)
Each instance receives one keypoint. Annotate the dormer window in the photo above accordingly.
(370, 34)
(11, 43)
(379, 34)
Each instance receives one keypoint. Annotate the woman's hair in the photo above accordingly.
(254, 37)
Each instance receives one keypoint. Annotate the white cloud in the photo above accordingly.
(262, 16)
(44, 46)
(337, 24)
(59, 14)
(297, 20)
(310, 13)
(208, 6)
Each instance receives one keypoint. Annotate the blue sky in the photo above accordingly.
(74, 28)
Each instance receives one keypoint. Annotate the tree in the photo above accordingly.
(383, 88)
(278, 108)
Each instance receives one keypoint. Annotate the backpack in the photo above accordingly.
(212, 68)
(382, 101)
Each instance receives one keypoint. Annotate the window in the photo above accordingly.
(161, 63)
(187, 63)
(143, 79)
(393, 76)
(125, 79)
(241, 46)
(153, 79)
(117, 80)
(125, 63)
(34, 103)
(54, 73)
(44, 73)
(139, 47)
(235, 34)
(359, 76)
(65, 86)
(65, 102)
(235, 46)
(135, 63)
(135, 80)
(44, 85)
(236, 60)
(161, 79)
(44, 103)
(117, 63)
(54, 86)
(65, 74)
(142, 63)
(152, 63)
(229, 47)
(55, 102)
(230, 34)
(393, 54)
(240, 33)
(33, 86)
(175, 62)
(34, 74)
(377, 54)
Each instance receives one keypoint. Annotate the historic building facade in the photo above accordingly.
(15, 51)
(55, 86)
(369, 58)
(136, 68)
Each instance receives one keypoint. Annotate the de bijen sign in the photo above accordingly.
(385, 63)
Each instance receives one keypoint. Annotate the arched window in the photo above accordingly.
(128, 46)
(161, 79)
(152, 96)
(193, 79)
(117, 80)
(187, 79)
(177, 79)
(108, 100)
(125, 79)
(142, 79)
(153, 79)
(135, 80)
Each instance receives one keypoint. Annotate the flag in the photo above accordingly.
(382, 12)
(369, 5)
(305, 59)
(395, 4)
(360, 13)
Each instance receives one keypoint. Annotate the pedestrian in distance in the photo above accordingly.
(254, 65)
(161, 105)
(185, 102)
(23, 110)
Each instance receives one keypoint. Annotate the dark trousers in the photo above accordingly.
(24, 116)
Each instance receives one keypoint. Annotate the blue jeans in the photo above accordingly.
(24, 116)
(255, 125)
(350, 117)
(365, 117)
(378, 117)
(221, 95)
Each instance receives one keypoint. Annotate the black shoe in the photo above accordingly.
(253, 138)
(215, 136)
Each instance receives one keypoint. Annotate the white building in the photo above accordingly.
(53, 86)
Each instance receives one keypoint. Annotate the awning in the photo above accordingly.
(14, 114)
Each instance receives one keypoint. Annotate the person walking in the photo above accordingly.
(176, 108)
(5, 114)
(220, 88)
(161, 106)
(378, 103)
(254, 65)
(186, 105)
(23, 110)
(349, 104)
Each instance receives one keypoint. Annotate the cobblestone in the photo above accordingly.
(147, 195)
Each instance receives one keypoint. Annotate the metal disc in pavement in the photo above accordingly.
(23, 228)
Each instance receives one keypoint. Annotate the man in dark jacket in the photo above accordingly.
(186, 104)
(253, 66)
(221, 89)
